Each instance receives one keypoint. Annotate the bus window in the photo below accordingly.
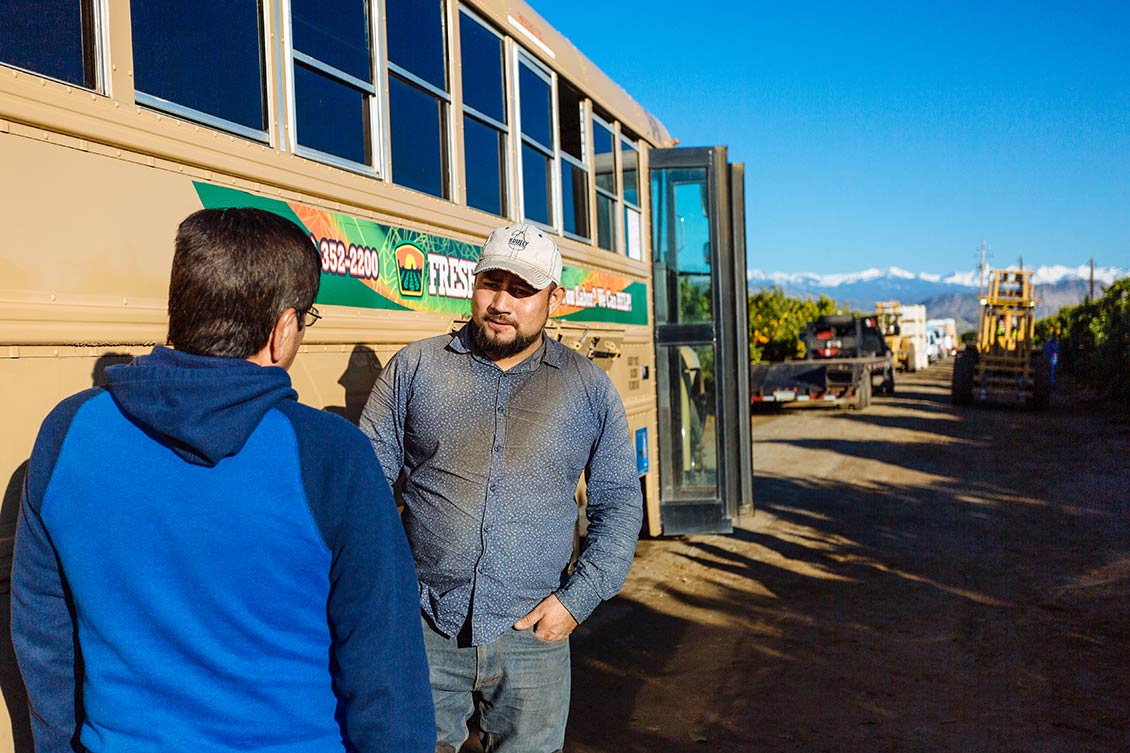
(181, 50)
(574, 169)
(633, 217)
(485, 120)
(416, 41)
(418, 97)
(485, 166)
(536, 189)
(536, 120)
(604, 155)
(69, 24)
(633, 229)
(333, 73)
(629, 155)
(418, 132)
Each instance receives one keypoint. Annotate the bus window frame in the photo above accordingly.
(371, 90)
(627, 206)
(93, 51)
(168, 107)
(279, 57)
(617, 205)
(509, 202)
(524, 57)
(583, 163)
(447, 135)
(634, 147)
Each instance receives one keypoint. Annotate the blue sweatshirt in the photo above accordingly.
(204, 564)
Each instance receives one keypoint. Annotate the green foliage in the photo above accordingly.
(1094, 340)
(694, 298)
(776, 323)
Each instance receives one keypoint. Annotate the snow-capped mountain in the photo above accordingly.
(944, 295)
(859, 290)
(898, 278)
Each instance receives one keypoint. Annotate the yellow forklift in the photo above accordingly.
(904, 328)
(889, 315)
(1004, 366)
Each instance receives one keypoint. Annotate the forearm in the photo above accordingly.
(44, 637)
(615, 513)
(382, 675)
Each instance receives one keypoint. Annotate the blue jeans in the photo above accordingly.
(519, 682)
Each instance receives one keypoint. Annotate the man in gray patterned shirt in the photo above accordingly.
(489, 431)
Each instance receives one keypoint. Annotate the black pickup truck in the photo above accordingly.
(846, 360)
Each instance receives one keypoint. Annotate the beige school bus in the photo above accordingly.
(398, 133)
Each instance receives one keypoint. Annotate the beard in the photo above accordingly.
(495, 349)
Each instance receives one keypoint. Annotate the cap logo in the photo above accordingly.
(518, 240)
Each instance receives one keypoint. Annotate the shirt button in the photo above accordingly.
(498, 448)
(494, 487)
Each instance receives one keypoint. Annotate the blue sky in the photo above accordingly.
(881, 134)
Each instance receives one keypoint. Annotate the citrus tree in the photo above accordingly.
(777, 321)
(1094, 340)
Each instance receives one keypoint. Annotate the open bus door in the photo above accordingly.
(701, 340)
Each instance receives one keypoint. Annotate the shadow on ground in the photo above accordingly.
(979, 605)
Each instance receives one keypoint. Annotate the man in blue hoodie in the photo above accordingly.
(204, 564)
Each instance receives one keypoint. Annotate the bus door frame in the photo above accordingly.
(685, 507)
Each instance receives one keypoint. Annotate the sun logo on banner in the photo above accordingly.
(410, 262)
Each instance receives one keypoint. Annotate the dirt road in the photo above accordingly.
(917, 577)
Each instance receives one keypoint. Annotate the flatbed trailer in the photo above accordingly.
(829, 382)
(846, 359)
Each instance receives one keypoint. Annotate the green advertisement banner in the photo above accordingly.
(369, 265)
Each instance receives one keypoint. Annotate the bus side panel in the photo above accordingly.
(84, 269)
(80, 223)
(634, 377)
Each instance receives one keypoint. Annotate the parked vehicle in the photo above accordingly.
(846, 361)
(904, 328)
(950, 340)
(1003, 366)
(933, 345)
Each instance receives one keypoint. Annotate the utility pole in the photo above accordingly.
(1092, 297)
(981, 268)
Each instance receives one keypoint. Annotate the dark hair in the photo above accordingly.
(235, 271)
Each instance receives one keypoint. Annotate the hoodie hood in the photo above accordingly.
(203, 408)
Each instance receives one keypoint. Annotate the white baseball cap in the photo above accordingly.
(524, 250)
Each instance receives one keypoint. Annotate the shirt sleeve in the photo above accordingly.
(44, 631)
(382, 419)
(378, 665)
(614, 511)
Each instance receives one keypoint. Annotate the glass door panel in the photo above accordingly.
(682, 244)
(694, 421)
(700, 337)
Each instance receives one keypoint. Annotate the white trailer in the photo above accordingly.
(904, 327)
(914, 329)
